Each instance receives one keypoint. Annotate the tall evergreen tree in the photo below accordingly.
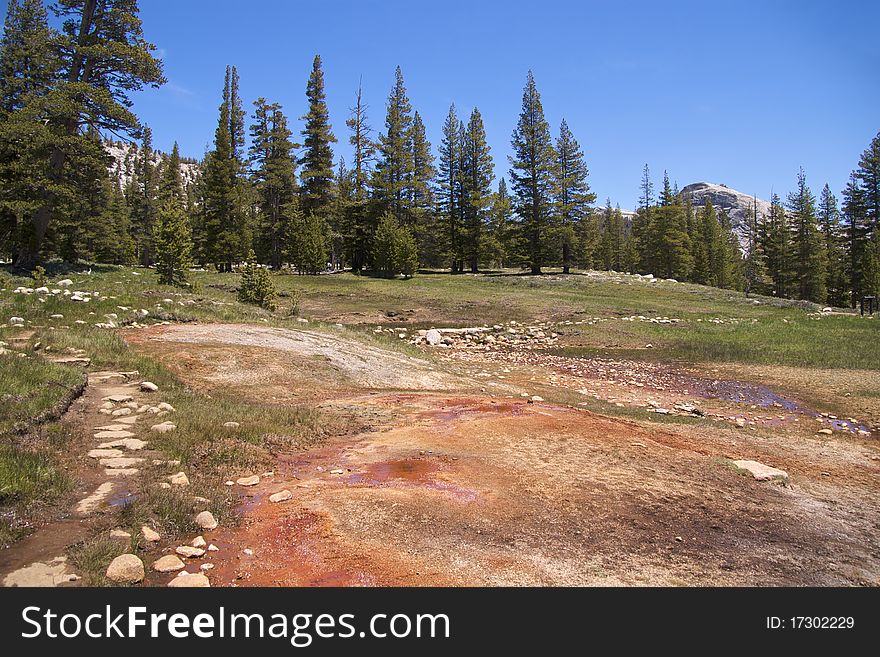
(449, 191)
(776, 239)
(855, 212)
(28, 61)
(572, 194)
(421, 190)
(477, 171)
(393, 175)
(833, 242)
(102, 58)
(143, 199)
(317, 161)
(274, 175)
(498, 245)
(532, 176)
(810, 260)
(359, 226)
(223, 231)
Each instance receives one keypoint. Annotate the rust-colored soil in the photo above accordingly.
(459, 487)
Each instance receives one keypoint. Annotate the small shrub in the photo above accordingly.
(256, 284)
(39, 276)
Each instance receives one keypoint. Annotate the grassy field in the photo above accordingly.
(611, 316)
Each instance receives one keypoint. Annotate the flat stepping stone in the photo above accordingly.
(168, 564)
(190, 580)
(120, 412)
(93, 501)
(248, 481)
(50, 574)
(760, 471)
(118, 399)
(120, 472)
(120, 462)
(133, 444)
(190, 551)
(113, 427)
(127, 420)
(105, 453)
(113, 435)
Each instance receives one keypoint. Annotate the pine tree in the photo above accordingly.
(384, 245)
(477, 173)
(171, 182)
(449, 191)
(173, 241)
(829, 226)
(670, 244)
(309, 243)
(810, 255)
(102, 57)
(393, 175)
(855, 213)
(730, 266)
(755, 275)
(498, 247)
(274, 175)
(359, 226)
(223, 233)
(641, 226)
(28, 60)
(777, 245)
(143, 200)
(532, 176)
(421, 194)
(317, 161)
(572, 194)
(406, 252)
(705, 263)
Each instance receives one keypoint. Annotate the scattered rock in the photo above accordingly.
(189, 551)
(337, 471)
(231, 425)
(433, 337)
(179, 479)
(150, 535)
(281, 496)
(760, 471)
(126, 569)
(248, 481)
(192, 580)
(207, 566)
(168, 564)
(825, 432)
(164, 427)
(120, 412)
(149, 386)
(164, 406)
(213, 548)
(206, 520)
(740, 422)
(199, 542)
(120, 534)
(536, 398)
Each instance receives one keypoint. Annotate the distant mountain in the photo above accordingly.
(734, 203)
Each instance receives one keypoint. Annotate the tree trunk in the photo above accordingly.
(536, 269)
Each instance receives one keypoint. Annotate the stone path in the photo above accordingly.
(117, 453)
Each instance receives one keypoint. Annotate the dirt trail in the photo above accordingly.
(461, 488)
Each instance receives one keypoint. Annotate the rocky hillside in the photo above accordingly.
(736, 204)
(125, 155)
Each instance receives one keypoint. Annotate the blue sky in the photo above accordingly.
(741, 93)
